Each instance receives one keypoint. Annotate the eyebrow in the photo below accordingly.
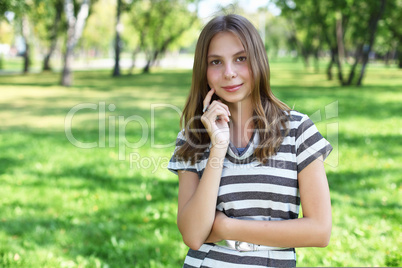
(217, 56)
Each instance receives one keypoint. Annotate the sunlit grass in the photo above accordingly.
(115, 205)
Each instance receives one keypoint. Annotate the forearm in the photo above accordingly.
(303, 232)
(196, 218)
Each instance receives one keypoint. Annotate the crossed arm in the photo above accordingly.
(313, 230)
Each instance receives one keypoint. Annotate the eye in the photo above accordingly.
(215, 62)
(241, 59)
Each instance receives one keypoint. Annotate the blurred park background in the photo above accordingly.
(90, 98)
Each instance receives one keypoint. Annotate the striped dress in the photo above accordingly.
(255, 191)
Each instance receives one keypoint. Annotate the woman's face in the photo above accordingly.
(228, 72)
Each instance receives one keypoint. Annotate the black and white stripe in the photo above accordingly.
(256, 191)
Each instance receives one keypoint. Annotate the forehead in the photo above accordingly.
(225, 43)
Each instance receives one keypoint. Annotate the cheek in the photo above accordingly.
(245, 71)
(212, 76)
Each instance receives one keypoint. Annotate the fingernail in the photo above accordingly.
(205, 108)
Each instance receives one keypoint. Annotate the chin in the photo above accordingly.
(231, 100)
(234, 98)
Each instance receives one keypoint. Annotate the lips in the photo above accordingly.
(232, 88)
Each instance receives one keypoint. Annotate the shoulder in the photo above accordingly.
(296, 119)
(181, 138)
(296, 116)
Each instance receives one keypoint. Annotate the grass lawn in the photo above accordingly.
(113, 203)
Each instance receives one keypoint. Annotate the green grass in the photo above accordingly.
(64, 206)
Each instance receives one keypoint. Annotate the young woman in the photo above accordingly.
(245, 161)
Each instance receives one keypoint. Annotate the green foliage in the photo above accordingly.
(303, 23)
(63, 206)
(16, 6)
(43, 18)
(276, 31)
(160, 26)
(100, 28)
(6, 33)
(348, 28)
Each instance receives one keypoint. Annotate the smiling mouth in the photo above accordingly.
(232, 88)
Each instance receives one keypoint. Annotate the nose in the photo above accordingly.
(230, 72)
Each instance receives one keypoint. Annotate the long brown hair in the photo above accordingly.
(269, 112)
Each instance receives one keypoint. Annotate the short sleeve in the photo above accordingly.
(310, 144)
(175, 164)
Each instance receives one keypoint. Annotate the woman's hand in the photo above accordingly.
(218, 229)
(215, 120)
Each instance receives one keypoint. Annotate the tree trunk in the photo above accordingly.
(339, 38)
(74, 31)
(305, 60)
(133, 58)
(317, 59)
(27, 62)
(117, 42)
(326, 34)
(147, 67)
(302, 50)
(372, 29)
(339, 65)
(386, 57)
(67, 77)
(358, 54)
(46, 60)
(335, 59)
(399, 55)
(53, 37)
(25, 35)
(329, 68)
(151, 61)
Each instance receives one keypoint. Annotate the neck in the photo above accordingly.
(242, 125)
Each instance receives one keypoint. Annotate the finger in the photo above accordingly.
(217, 112)
(222, 117)
(220, 114)
(226, 107)
(207, 99)
(223, 105)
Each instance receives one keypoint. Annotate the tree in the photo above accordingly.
(76, 25)
(117, 41)
(345, 25)
(46, 17)
(54, 30)
(120, 8)
(392, 21)
(21, 11)
(277, 32)
(131, 40)
(6, 37)
(9, 5)
(159, 26)
(375, 16)
(98, 34)
(25, 32)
